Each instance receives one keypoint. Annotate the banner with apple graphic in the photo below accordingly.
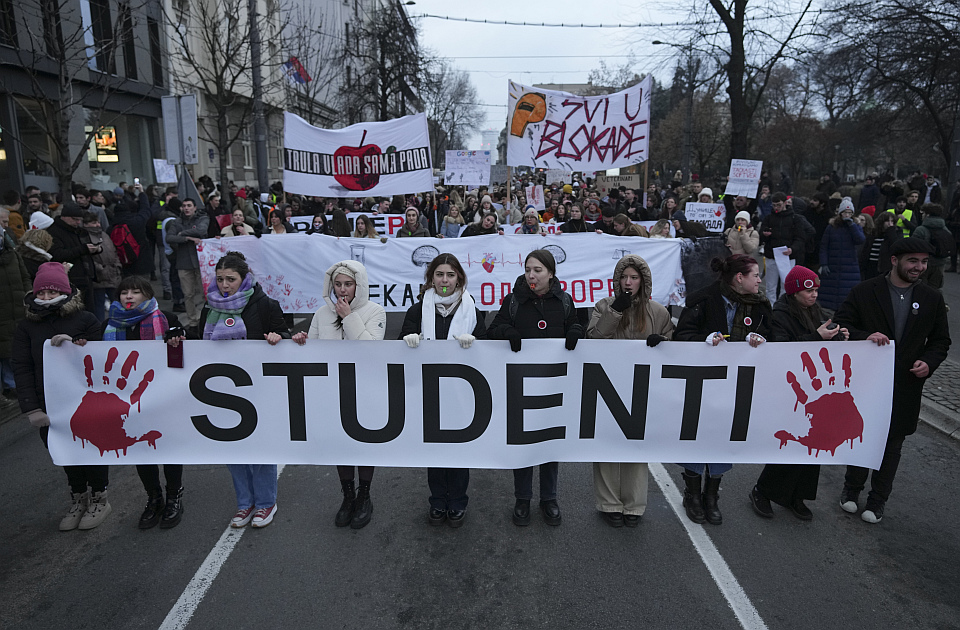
(366, 159)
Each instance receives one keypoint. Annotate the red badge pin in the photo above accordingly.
(542, 325)
(747, 321)
(230, 321)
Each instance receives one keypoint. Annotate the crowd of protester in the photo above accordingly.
(84, 269)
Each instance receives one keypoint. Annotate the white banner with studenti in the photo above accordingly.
(559, 130)
(290, 267)
(380, 403)
(368, 159)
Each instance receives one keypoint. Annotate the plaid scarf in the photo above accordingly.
(223, 318)
(147, 314)
(745, 303)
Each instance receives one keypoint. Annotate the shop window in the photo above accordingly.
(37, 148)
(8, 24)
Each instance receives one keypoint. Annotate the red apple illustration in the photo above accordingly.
(348, 174)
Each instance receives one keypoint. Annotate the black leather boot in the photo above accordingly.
(691, 497)
(711, 510)
(345, 513)
(153, 510)
(362, 507)
(174, 509)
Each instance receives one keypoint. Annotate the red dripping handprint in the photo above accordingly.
(834, 417)
(101, 416)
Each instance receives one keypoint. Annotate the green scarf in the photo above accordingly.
(745, 303)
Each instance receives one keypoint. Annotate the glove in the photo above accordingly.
(710, 338)
(756, 337)
(413, 340)
(654, 340)
(622, 302)
(824, 270)
(513, 336)
(55, 341)
(38, 418)
(466, 340)
(572, 338)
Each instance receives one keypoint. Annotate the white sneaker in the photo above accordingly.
(873, 516)
(242, 518)
(97, 510)
(264, 516)
(77, 510)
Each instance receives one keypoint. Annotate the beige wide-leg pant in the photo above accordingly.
(621, 487)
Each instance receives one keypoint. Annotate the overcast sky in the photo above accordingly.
(575, 51)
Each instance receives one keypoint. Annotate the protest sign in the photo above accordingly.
(165, 172)
(290, 267)
(467, 168)
(549, 129)
(606, 182)
(535, 197)
(367, 159)
(744, 178)
(711, 215)
(558, 175)
(484, 407)
(499, 174)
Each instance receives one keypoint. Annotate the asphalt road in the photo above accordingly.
(398, 572)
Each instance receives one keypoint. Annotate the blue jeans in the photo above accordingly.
(715, 470)
(549, 480)
(99, 302)
(448, 488)
(6, 374)
(255, 484)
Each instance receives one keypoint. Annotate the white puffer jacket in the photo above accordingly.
(366, 319)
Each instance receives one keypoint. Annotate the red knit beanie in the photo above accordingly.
(799, 279)
(51, 275)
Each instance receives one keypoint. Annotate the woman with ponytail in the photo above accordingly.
(731, 309)
(446, 310)
(237, 308)
(349, 314)
(621, 489)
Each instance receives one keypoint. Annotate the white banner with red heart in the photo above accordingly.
(380, 403)
(290, 267)
(370, 159)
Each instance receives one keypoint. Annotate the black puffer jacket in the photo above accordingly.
(14, 284)
(786, 327)
(70, 246)
(787, 230)
(136, 214)
(39, 325)
(261, 315)
(412, 323)
(706, 313)
(533, 309)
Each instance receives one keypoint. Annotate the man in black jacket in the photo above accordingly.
(900, 308)
(72, 244)
(782, 228)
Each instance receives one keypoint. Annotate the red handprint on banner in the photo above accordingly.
(101, 416)
(834, 417)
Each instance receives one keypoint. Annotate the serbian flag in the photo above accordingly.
(295, 71)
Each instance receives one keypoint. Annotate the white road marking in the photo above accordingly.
(736, 597)
(181, 613)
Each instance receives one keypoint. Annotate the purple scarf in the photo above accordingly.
(223, 316)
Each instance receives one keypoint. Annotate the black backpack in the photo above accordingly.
(943, 243)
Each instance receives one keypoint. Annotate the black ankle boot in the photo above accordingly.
(153, 510)
(691, 497)
(362, 507)
(711, 510)
(345, 513)
(173, 510)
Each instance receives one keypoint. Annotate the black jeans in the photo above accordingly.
(549, 480)
(80, 477)
(448, 488)
(881, 484)
(150, 476)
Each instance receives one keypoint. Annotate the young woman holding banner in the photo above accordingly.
(621, 489)
(237, 308)
(445, 311)
(537, 309)
(731, 309)
(349, 314)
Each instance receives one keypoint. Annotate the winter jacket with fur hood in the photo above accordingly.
(40, 324)
(605, 321)
(366, 320)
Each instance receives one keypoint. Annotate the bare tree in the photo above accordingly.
(55, 41)
(309, 39)
(383, 65)
(452, 106)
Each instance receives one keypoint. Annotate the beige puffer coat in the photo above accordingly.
(605, 320)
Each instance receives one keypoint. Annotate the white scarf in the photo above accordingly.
(43, 253)
(464, 319)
